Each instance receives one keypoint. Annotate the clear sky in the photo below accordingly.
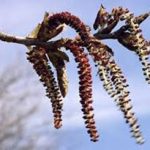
(20, 17)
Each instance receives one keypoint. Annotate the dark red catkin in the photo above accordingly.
(65, 17)
(37, 56)
(85, 88)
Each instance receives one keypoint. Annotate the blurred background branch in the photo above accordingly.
(18, 105)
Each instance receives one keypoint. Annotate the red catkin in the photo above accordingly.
(85, 88)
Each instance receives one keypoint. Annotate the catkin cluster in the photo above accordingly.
(109, 72)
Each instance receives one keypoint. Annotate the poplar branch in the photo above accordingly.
(31, 41)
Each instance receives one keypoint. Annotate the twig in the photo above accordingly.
(101, 36)
(113, 35)
(31, 41)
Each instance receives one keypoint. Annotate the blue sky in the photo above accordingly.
(20, 17)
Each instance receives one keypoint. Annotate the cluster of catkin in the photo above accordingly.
(109, 72)
(84, 72)
(111, 75)
(103, 58)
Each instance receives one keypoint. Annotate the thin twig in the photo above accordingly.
(113, 35)
(100, 36)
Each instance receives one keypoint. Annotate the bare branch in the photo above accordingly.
(31, 41)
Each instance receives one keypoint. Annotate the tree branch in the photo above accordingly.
(113, 35)
(100, 36)
(31, 41)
